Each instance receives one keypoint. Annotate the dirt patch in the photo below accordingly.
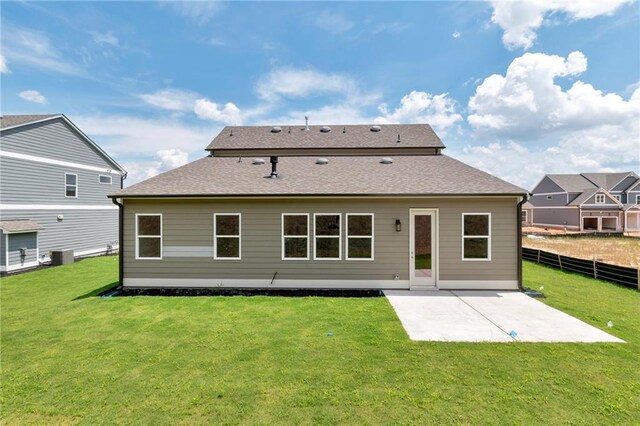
(622, 251)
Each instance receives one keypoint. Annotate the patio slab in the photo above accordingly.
(487, 316)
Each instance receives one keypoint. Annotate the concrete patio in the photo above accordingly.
(487, 316)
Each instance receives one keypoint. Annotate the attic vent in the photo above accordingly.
(276, 129)
(375, 128)
(386, 160)
(322, 161)
(325, 129)
(257, 161)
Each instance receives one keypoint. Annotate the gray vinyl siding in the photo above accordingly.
(28, 240)
(79, 230)
(546, 185)
(559, 217)
(555, 200)
(53, 139)
(631, 197)
(28, 182)
(189, 223)
(608, 203)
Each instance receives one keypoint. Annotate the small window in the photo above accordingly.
(476, 236)
(70, 185)
(617, 197)
(106, 180)
(295, 236)
(524, 215)
(599, 198)
(359, 236)
(327, 236)
(549, 197)
(149, 236)
(638, 199)
(226, 236)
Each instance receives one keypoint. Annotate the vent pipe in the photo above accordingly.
(306, 122)
(274, 164)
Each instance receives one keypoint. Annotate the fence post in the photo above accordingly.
(595, 272)
(559, 261)
(538, 256)
(638, 271)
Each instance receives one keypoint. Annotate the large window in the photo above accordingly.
(599, 198)
(327, 239)
(359, 236)
(71, 185)
(148, 236)
(476, 236)
(295, 236)
(226, 236)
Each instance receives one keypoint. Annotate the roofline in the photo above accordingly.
(620, 181)
(374, 195)
(632, 187)
(543, 178)
(70, 123)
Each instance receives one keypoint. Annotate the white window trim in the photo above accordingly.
(294, 236)
(637, 198)
(149, 236)
(526, 216)
(339, 237)
(215, 237)
(617, 197)
(600, 197)
(105, 176)
(65, 185)
(549, 197)
(347, 236)
(488, 237)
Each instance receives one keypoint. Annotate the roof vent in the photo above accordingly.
(276, 129)
(386, 160)
(325, 129)
(322, 161)
(375, 128)
(257, 161)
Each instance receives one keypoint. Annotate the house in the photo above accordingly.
(340, 207)
(605, 202)
(54, 183)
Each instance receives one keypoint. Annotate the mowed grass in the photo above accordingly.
(70, 357)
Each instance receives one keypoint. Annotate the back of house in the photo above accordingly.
(340, 207)
(54, 183)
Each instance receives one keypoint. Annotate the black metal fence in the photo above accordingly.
(629, 277)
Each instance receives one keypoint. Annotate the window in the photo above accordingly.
(549, 197)
(327, 236)
(149, 236)
(295, 236)
(71, 185)
(104, 179)
(638, 199)
(523, 216)
(599, 198)
(617, 197)
(359, 236)
(476, 236)
(226, 236)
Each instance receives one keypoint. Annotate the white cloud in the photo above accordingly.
(33, 48)
(201, 12)
(4, 69)
(207, 110)
(171, 99)
(421, 107)
(172, 158)
(105, 38)
(307, 82)
(456, 35)
(33, 96)
(521, 19)
(391, 27)
(333, 23)
(526, 102)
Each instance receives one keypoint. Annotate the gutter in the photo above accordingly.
(120, 243)
(320, 195)
(519, 225)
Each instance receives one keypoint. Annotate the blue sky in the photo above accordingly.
(516, 88)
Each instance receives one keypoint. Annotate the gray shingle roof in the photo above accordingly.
(20, 225)
(588, 193)
(361, 175)
(572, 182)
(606, 180)
(340, 136)
(14, 120)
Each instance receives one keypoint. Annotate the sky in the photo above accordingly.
(518, 89)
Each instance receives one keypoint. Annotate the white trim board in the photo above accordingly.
(18, 156)
(262, 283)
(18, 266)
(57, 207)
(478, 285)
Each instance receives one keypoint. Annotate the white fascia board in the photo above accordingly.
(61, 163)
(57, 207)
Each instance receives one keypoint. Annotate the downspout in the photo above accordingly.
(121, 242)
(519, 224)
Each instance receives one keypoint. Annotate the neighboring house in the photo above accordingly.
(527, 214)
(54, 183)
(322, 207)
(587, 202)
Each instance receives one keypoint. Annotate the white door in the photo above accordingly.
(423, 253)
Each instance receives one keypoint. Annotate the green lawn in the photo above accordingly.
(71, 357)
